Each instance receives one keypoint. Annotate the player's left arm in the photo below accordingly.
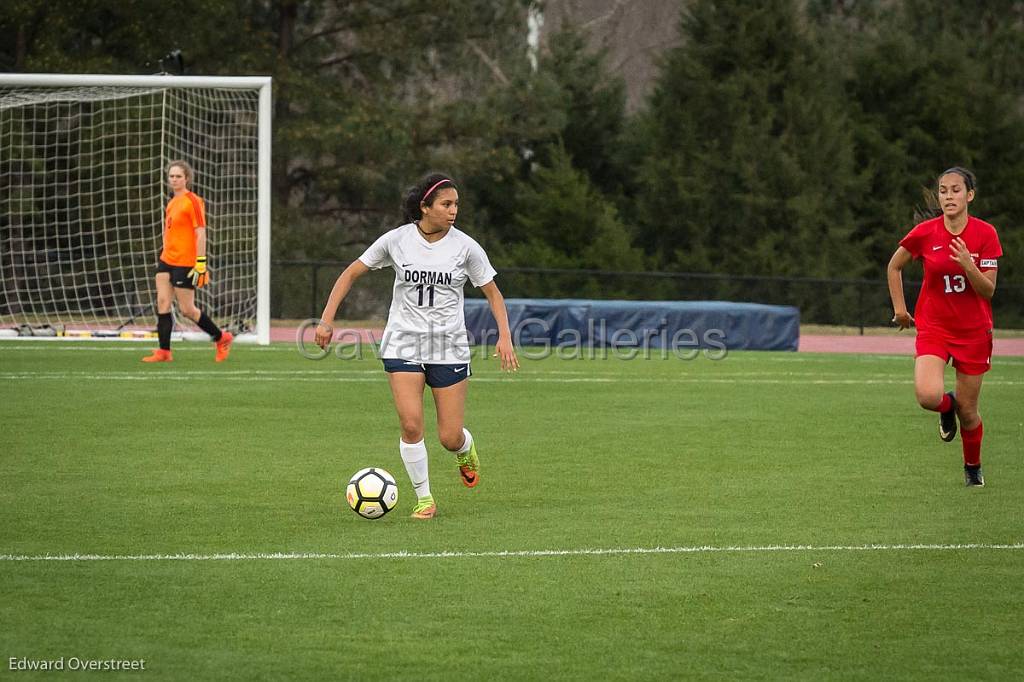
(983, 282)
(503, 348)
(200, 242)
(200, 274)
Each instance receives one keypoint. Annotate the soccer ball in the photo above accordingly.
(372, 493)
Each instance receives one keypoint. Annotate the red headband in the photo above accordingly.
(436, 185)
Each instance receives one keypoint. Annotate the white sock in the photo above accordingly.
(415, 457)
(467, 444)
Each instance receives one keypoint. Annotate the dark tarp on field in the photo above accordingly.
(640, 324)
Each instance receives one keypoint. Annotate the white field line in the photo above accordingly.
(164, 372)
(512, 554)
(288, 346)
(488, 372)
(375, 376)
(800, 358)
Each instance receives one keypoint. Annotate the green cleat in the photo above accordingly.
(469, 466)
(424, 509)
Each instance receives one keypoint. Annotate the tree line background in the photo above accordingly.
(785, 138)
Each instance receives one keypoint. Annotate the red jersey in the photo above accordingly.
(948, 304)
(185, 213)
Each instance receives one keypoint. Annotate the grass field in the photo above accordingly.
(765, 516)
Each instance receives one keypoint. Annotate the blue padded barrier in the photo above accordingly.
(653, 324)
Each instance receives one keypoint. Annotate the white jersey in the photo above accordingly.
(427, 323)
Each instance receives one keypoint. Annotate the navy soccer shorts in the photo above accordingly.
(438, 376)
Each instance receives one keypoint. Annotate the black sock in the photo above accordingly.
(164, 324)
(207, 325)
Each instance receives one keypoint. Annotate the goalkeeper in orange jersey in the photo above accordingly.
(182, 265)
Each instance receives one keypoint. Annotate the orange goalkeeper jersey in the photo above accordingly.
(185, 213)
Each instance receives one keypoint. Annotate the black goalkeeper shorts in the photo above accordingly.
(179, 274)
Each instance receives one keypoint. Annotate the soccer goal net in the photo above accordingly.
(83, 162)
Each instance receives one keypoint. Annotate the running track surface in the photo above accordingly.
(810, 343)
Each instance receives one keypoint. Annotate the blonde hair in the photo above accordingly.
(190, 174)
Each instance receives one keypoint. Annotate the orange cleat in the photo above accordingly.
(425, 509)
(469, 477)
(224, 346)
(159, 355)
(469, 466)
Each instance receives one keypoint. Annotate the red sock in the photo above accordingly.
(972, 444)
(945, 404)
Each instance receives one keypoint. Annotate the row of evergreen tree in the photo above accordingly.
(782, 138)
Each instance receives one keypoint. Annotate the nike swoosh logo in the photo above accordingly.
(936, 248)
(405, 265)
(460, 369)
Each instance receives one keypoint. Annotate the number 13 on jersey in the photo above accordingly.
(955, 284)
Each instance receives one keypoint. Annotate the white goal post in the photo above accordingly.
(83, 191)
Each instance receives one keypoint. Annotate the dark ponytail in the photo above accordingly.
(931, 208)
(424, 192)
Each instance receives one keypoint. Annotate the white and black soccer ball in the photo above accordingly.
(372, 493)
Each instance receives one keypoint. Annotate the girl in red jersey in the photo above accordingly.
(182, 265)
(953, 312)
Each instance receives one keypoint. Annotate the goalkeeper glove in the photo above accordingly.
(200, 278)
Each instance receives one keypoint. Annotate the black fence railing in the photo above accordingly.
(300, 288)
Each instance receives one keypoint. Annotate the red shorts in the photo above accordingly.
(970, 356)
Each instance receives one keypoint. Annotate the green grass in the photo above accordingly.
(104, 455)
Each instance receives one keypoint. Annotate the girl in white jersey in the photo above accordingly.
(425, 341)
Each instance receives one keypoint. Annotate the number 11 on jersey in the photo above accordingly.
(430, 294)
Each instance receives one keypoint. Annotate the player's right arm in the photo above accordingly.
(342, 286)
(899, 260)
